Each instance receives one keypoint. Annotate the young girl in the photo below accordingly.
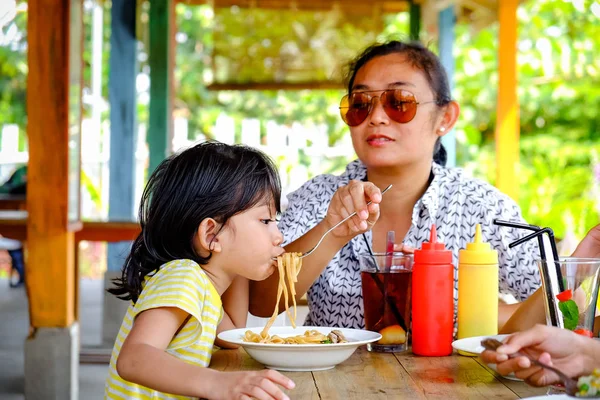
(207, 217)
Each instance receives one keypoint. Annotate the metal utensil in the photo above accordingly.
(338, 224)
(570, 383)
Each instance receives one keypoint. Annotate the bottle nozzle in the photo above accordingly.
(478, 234)
(433, 235)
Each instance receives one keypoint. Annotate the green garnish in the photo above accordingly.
(328, 341)
(570, 313)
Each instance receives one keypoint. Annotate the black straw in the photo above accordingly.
(538, 233)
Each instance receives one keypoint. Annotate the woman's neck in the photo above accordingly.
(409, 185)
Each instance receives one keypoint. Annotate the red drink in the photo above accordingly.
(387, 306)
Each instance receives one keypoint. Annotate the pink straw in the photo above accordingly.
(389, 249)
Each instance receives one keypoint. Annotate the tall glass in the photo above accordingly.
(386, 289)
(575, 306)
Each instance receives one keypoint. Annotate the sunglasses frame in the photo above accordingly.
(372, 98)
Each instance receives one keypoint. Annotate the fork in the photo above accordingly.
(338, 224)
(570, 383)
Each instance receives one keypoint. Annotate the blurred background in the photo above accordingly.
(218, 95)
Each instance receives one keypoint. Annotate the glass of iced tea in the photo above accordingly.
(386, 290)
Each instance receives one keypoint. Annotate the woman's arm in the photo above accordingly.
(235, 306)
(526, 315)
(345, 201)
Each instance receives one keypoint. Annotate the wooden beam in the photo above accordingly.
(277, 86)
(160, 77)
(54, 33)
(12, 201)
(507, 124)
(13, 224)
(348, 6)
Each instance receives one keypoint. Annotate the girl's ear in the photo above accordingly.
(207, 235)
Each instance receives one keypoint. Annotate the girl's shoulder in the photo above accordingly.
(186, 270)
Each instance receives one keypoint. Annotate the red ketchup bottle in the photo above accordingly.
(432, 299)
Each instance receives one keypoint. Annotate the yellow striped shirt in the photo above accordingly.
(182, 284)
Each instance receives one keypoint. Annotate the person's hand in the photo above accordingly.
(348, 199)
(589, 247)
(569, 352)
(404, 248)
(246, 385)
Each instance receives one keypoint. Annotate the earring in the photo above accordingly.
(442, 129)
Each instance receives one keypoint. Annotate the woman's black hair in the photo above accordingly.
(419, 57)
(208, 180)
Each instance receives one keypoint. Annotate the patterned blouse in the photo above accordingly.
(453, 201)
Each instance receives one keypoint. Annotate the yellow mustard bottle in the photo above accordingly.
(477, 289)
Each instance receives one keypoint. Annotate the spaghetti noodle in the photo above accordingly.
(289, 265)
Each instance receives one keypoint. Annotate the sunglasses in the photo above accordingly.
(399, 104)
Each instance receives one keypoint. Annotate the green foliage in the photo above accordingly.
(13, 73)
(559, 95)
(570, 313)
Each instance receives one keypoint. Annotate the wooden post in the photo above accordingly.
(123, 143)
(446, 24)
(415, 20)
(51, 101)
(507, 124)
(160, 77)
(54, 118)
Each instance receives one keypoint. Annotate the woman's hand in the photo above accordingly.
(404, 248)
(348, 199)
(571, 353)
(589, 247)
(251, 385)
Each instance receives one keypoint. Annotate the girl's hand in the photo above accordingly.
(565, 350)
(348, 199)
(262, 385)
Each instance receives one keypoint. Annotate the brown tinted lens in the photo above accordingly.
(359, 106)
(400, 105)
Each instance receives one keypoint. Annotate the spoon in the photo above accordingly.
(338, 224)
(570, 383)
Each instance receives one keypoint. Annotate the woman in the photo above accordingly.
(398, 108)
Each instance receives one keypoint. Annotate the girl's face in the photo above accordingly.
(379, 141)
(250, 241)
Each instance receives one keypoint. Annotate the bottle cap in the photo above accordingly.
(433, 252)
(478, 252)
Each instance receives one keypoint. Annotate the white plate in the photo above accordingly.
(301, 357)
(473, 345)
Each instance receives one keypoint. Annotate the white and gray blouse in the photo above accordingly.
(453, 201)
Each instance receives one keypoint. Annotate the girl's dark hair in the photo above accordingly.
(209, 180)
(419, 57)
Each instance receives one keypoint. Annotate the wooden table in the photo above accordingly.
(368, 375)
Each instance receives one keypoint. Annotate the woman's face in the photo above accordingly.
(379, 141)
